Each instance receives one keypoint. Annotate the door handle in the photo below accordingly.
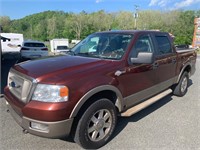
(155, 65)
(119, 72)
(174, 60)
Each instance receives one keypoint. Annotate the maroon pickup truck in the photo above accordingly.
(108, 74)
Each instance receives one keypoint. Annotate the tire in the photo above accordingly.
(96, 125)
(181, 88)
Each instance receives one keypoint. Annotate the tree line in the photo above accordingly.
(48, 25)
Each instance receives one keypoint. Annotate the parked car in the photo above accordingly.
(33, 49)
(83, 93)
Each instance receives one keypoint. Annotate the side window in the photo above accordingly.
(143, 44)
(90, 45)
(164, 46)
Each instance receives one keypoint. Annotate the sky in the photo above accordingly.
(17, 9)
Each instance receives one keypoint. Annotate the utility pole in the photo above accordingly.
(136, 16)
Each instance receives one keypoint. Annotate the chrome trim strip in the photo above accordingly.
(23, 75)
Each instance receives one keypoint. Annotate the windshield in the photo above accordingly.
(103, 45)
(62, 47)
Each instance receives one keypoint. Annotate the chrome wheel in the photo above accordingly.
(99, 125)
(184, 84)
(96, 124)
(180, 89)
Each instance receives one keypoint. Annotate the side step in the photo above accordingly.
(145, 104)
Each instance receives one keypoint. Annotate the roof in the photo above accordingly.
(31, 41)
(131, 31)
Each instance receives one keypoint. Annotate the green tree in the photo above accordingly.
(5, 23)
(184, 28)
(77, 22)
(124, 20)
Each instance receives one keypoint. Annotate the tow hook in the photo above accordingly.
(24, 131)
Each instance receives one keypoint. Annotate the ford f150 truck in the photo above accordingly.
(82, 93)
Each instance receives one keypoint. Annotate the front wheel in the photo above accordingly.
(96, 125)
(181, 88)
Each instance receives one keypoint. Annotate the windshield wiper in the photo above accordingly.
(89, 54)
(85, 54)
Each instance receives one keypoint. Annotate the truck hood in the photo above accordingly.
(53, 69)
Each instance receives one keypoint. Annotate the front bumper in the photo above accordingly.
(55, 129)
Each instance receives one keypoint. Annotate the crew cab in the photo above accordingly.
(82, 93)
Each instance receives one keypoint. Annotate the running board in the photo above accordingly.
(145, 104)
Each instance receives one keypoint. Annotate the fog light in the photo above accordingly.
(39, 126)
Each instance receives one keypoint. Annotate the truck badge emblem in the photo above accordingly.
(13, 85)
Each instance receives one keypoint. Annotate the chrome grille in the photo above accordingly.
(19, 85)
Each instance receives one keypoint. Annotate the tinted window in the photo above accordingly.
(34, 45)
(143, 44)
(103, 45)
(164, 46)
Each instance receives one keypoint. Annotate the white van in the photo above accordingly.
(59, 45)
(11, 44)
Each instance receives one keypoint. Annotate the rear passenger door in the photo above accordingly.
(165, 59)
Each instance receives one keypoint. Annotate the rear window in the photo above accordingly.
(164, 46)
(34, 45)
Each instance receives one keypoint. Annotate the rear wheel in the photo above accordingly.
(96, 125)
(181, 88)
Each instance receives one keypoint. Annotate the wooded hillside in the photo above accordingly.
(47, 25)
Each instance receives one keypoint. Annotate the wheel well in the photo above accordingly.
(102, 94)
(188, 69)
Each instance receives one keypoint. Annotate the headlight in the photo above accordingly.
(50, 93)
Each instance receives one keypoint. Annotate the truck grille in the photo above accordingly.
(19, 85)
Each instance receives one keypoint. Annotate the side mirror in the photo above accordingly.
(143, 58)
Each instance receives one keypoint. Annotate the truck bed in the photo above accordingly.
(181, 50)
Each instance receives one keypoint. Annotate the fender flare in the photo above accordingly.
(81, 102)
(182, 70)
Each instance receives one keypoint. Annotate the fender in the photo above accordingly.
(118, 103)
(182, 70)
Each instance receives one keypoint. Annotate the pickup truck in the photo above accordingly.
(82, 93)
